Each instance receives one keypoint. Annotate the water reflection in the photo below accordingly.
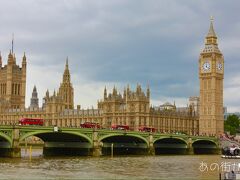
(134, 167)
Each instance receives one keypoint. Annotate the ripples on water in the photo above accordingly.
(134, 167)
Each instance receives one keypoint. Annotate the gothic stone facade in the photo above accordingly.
(12, 83)
(211, 73)
(129, 108)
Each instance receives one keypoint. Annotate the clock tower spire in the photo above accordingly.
(211, 74)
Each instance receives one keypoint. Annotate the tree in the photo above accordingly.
(232, 124)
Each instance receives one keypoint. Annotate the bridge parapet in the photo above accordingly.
(95, 137)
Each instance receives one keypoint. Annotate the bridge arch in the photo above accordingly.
(178, 138)
(5, 144)
(170, 145)
(124, 144)
(204, 146)
(62, 143)
(127, 135)
(207, 140)
(35, 133)
(5, 137)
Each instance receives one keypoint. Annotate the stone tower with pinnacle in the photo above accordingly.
(34, 99)
(211, 74)
(66, 90)
(13, 82)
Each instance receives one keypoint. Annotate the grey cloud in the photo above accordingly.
(142, 41)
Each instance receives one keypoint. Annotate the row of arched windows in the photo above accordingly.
(16, 89)
(3, 88)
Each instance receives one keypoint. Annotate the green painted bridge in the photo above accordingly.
(97, 142)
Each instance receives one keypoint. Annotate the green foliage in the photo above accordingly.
(232, 124)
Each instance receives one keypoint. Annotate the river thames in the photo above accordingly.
(119, 167)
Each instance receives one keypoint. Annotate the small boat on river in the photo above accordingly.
(230, 157)
(232, 152)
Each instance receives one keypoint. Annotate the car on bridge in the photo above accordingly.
(90, 125)
(147, 129)
(31, 121)
(120, 127)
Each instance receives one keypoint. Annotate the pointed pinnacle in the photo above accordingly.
(211, 32)
(67, 62)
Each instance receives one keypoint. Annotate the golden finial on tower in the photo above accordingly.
(148, 91)
(24, 59)
(211, 32)
(105, 92)
(67, 62)
(211, 18)
(12, 41)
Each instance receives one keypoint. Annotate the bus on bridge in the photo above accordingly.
(90, 125)
(31, 121)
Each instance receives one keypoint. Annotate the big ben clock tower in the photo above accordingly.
(211, 73)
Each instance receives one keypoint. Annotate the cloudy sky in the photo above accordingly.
(120, 42)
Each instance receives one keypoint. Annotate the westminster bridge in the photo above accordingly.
(97, 142)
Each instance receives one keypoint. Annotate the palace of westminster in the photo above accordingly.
(203, 116)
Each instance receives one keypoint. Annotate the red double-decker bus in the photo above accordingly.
(31, 121)
(120, 127)
(147, 129)
(90, 125)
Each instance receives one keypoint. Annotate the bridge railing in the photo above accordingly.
(170, 133)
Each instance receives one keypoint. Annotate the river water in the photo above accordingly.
(121, 167)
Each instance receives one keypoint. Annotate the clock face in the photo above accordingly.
(206, 66)
(219, 66)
